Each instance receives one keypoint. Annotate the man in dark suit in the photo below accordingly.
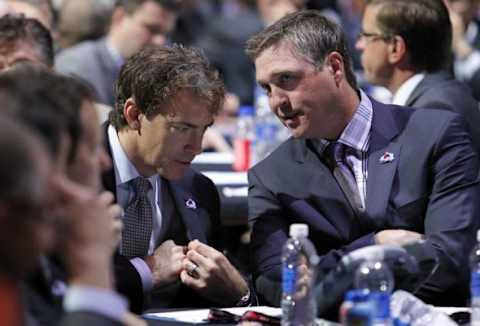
(358, 172)
(406, 46)
(166, 99)
(135, 24)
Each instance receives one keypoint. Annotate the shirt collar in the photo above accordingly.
(125, 171)
(357, 132)
(406, 89)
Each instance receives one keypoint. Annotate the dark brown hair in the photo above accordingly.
(313, 36)
(155, 75)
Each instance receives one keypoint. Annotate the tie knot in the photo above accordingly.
(141, 185)
(337, 151)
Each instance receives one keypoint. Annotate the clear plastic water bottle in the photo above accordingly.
(408, 310)
(242, 144)
(299, 264)
(375, 277)
(475, 283)
(269, 131)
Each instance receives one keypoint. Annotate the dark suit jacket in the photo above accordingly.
(202, 223)
(441, 91)
(91, 61)
(430, 187)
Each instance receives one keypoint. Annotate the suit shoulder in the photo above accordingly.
(81, 54)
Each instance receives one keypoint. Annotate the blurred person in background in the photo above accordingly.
(406, 47)
(42, 10)
(466, 41)
(75, 222)
(24, 39)
(80, 21)
(134, 24)
(223, 40)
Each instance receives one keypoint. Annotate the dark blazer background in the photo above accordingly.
(202, 223)
(430, 187)
(441, 91)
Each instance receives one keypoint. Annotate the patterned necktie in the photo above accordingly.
(344, 175)
(137, 221)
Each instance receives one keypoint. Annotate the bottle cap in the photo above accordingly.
(246, 110)
(298, 230)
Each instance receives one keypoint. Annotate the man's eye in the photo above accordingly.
(285, 79)
(180, 128)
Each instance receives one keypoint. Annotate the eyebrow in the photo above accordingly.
(191, 125)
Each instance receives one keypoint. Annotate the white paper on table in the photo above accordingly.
(200, 316)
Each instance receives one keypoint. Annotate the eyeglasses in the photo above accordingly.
(372, 36)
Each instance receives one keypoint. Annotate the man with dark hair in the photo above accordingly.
(358, 172)
(406, 46)
(81, 220)
(24, 39)
(171, 242)
(135, 24)
(28, 227)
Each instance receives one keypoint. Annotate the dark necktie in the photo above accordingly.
(344, 175)
(137, 221)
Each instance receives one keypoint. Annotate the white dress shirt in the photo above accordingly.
(124, 173)
(406, 89)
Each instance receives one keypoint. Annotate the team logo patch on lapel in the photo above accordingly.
(387, 157)
(190, 203)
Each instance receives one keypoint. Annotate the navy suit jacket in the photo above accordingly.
(441, 91)
(430, 187)
(202, 223)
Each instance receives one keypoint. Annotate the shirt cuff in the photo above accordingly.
(101, 301)
(144, 272)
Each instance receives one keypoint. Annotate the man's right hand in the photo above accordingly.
(166, 263)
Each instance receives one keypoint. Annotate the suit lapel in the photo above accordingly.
(327, 193)
(383, 158)
(192, 214)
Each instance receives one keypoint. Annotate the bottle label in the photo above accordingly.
(241, 149)
(475, 283)
(289, 280)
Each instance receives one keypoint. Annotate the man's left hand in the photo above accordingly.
(208, 271)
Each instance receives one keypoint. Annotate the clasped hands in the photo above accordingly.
(200, 267)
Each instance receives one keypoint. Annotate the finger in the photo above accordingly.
(205, 263)
(202, 248)
(106, 197)
(191, 282)
(115, 211)
(192, 269)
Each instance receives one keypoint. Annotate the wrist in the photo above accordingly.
(245, 300)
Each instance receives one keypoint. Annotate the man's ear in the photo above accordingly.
(132, 114)
(397, 49)
(118, 15)
(335, 65)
